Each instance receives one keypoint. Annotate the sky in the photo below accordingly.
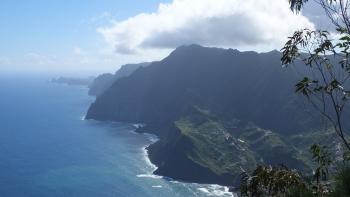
(101, 35)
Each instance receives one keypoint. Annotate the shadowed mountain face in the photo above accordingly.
(104, 81)
(215, 110)
(242, 85)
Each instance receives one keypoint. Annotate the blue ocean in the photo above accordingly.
(47, 149)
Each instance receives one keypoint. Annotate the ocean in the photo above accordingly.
(47, 149)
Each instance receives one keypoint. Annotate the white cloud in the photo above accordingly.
(242, 24)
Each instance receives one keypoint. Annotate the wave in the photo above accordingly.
(148, 161)
(202, 189)
(157, 186)
(137, 126)
(216, 190)
(150, 166)
(197, 189)
(152, 138)
(152, 176)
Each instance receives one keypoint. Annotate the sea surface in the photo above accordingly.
(47, 149)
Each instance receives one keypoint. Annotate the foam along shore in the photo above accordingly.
(213, 190)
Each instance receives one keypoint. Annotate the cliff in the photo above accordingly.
(102, 82)
(216, 112)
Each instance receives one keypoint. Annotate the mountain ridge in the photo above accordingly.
(104, 81)
(200, 101)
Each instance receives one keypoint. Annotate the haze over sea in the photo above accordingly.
(47, 149)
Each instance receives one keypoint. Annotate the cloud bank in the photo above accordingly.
(243, 24)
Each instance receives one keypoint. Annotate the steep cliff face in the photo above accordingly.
(201, 148)
(101, 83)
(243, 85)
(200, 102)
(172, 155)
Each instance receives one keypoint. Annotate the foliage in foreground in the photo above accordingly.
(282, 181)
(326, 85)
(326, 56)
(271, 181)
(327, 88)
(342, 182)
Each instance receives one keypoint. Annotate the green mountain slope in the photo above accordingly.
(215, 111)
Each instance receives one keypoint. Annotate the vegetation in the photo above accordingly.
(264, 142)
(222, 150)
(342, 180)
(327, 88)
(219, 152)
(272, 181)
(282, 181)
(326, 58)
(210, 114)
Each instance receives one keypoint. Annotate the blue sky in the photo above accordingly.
(53, 25)
(100, 35)
(56, 27)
